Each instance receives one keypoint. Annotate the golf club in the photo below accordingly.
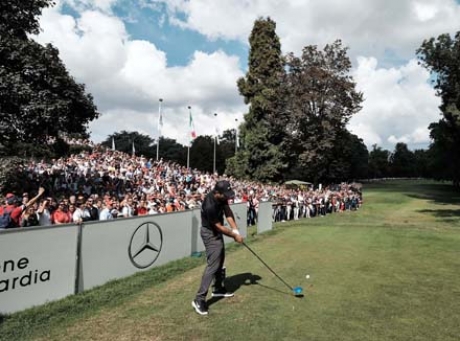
(297, 290)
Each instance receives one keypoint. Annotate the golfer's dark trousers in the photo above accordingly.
(215, 257)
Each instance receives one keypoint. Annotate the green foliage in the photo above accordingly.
(322, 99)
(20, 17)
(225, 149)
(172, 151)
(78, 149)
(262, 132)
(350, 159)
(38, 97)
(379, 163)
(422, 164)
(402, 161)
(441, 56)
(442, 151)
(11, 176)
(124, 140)
(202, 153)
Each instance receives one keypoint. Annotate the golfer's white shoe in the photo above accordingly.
(200, 307)
(222, 292)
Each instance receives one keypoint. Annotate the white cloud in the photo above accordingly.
(368, 27)
(128, 76)
(399, 104)
(82, 5)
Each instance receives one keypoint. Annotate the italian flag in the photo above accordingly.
(191, 127)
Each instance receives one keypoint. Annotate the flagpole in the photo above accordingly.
(236, 135)
(159, 127)
(189, 141)
(188, 157)
(215, 138)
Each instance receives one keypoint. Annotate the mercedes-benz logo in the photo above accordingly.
(145, 245)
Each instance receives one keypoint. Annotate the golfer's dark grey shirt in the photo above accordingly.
(213, 211)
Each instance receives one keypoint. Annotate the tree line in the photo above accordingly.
(295, 127)
(377, 163)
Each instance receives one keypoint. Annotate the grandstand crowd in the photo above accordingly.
(107, 184)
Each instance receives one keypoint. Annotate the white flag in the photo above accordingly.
(217, 135)
(160, 124)
(134, 149)
(191, 126)
(113, 143)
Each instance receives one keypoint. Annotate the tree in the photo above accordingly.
(422, 164)
(124, 140)
(171, 150)
(38, 97)
(441, 151)
(441, 56)
(322, 99)
(202, 153)
(350, 159)
(20, 17)
(261, 156)
(378, 162)
(402, 161)
(225, 149)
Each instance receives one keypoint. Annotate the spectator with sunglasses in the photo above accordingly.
(61, 215)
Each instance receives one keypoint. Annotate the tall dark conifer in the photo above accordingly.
(261, 157)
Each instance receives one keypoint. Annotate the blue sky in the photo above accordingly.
(191, 52)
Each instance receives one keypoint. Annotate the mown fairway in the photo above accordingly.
(390, 271)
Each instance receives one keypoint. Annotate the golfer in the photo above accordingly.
(213, 209)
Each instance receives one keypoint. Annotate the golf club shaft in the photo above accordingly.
(273, 272)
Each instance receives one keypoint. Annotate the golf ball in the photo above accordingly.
(307, 276)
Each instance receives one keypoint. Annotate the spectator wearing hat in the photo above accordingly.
(15, 208)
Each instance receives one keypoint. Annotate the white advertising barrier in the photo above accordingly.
(37, 265)
(265, 217)
(120, 248)
(240, 213)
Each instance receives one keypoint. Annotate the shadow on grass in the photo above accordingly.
(233, 283)
(438, 193)
(442, 213)
(277, 290)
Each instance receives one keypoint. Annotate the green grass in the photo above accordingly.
(390, 271)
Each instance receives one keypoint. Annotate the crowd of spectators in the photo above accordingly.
(107, 184)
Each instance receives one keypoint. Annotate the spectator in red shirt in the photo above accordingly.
(142, 208)
(61, 215)
(14, 205)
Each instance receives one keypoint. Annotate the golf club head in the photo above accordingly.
(298, 291)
